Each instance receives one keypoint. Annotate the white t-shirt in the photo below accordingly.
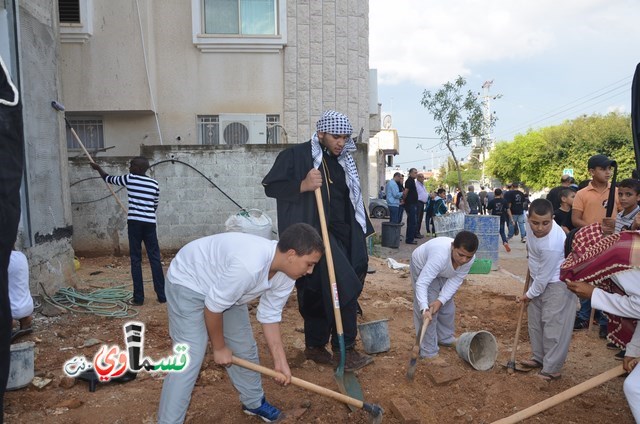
(19, 294)
(624, 306)
(546, 254)
(233, 269)
(433, 260)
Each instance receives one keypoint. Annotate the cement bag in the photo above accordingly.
(250, 221)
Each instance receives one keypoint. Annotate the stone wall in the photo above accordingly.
(190, 206)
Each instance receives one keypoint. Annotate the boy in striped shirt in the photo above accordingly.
(143, 193)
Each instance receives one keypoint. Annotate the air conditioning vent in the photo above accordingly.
(236, 129)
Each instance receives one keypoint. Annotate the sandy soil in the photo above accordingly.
(485, 302)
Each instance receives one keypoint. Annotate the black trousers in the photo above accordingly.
(5, 325)
(319, 323)
(420, 216)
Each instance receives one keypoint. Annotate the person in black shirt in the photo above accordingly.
(562, 215)
(411, 206)
(515, 199)
(498, 207)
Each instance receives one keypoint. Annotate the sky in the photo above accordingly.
(550, 61)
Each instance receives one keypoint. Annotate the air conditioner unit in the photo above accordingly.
(236, 128)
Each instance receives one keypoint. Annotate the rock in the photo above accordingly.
(90, 342)
(67, 382)
(305, 404)
(298, 343)
(49, 310)
(40, 382)
(70, 403)
(460, 412)
(469, 418)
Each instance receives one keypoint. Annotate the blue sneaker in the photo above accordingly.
(266, 411)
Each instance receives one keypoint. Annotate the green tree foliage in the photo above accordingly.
(458, 117)
(448, 175)
(539, 156)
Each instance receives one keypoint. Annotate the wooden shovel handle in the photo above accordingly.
(332, 271)
(299, 382)
(563, 396)
(527, 281)
(75, 135)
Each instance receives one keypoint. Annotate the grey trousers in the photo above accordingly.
(551, 317)
(442, 326)
(186, 325)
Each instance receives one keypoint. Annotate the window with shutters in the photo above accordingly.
(76, 20)
(89, 130)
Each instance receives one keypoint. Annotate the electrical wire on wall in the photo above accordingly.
(146, 67)
(173, 161)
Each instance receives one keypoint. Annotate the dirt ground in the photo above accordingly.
(484, 302)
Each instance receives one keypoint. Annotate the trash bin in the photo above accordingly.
(391, 234)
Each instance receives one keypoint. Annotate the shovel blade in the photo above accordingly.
(349, 385)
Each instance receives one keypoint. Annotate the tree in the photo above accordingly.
(458, 117)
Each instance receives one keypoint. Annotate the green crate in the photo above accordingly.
(480, 266)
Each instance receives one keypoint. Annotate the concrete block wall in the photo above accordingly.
(190, 206)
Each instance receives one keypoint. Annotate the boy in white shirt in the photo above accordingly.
(551, 307)
(438, 268)
(209, 283)
(19, 293)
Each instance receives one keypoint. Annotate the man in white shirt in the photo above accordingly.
(423, 198)
(625, 306)
(19, 293)
(209, 283)
(438, 268)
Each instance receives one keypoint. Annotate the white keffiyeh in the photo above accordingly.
(333, 122)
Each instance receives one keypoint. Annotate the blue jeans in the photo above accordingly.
(519, 220)
(394, 214)
(412, 220)
(585, 313)
(503, 236)
(139, 232)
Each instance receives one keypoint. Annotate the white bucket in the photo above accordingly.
(21, 368)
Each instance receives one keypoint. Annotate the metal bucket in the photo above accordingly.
(375, 336)
(21, 368)
(479, 349)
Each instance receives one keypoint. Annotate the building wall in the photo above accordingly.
(324, 65)
(190, 206)
(45, 228)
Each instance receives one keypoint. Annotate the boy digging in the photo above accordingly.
(551, 305)
(438, 268)
(209, 284)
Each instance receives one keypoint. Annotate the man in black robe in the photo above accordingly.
(325, 162)
(11, 164)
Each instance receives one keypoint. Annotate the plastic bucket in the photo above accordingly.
(21, 368)
(479, 349)
(375, 336)
(391, 234)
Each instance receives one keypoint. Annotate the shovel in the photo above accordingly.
(511, 365)
(347, 381)
(374, 410)
(563, 396)
(415, 353)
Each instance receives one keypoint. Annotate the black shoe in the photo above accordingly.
(137, 302)
(126, 377)
(412, 242)
(355, 360)
(162, 300)
(620, 355)
(580, 324)
(419, 236)
(603, 332)
(318, 354)
(612, 346)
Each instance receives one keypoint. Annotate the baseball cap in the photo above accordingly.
(601, 161)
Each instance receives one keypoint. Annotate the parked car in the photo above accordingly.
(378, 208)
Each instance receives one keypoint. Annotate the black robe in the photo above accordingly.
(283, 183)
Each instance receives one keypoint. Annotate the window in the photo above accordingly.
(239, 25)
(69, 11)
(209, 129)
(241, 17)
(274, 129)
(89, 130)
(76, 20)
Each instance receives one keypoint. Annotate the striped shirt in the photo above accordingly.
(143, 192)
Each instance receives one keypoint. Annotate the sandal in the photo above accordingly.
(21, 332)
(531, 363)
(548, 377)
